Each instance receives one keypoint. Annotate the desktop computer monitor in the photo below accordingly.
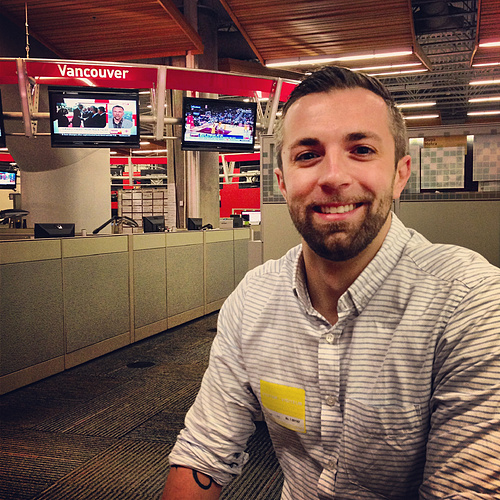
(153, 224)
(194, 223)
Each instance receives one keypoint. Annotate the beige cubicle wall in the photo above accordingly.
(66, 301)
(185, 277)
(96, 296)
(219, 268)
(149, 284)
(32, 344)
(473, 224)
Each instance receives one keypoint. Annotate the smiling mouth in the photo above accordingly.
(340, 209)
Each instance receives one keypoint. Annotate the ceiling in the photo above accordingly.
(443, 38)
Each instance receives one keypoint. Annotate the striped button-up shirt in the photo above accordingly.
(399, 399)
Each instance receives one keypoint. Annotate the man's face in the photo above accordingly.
(339, 177)
(117, 114)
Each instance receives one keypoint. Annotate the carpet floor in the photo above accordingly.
(103, 430)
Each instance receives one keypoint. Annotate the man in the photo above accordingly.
(100, 118)
(77, 116)
(118, 120)
(373, 355)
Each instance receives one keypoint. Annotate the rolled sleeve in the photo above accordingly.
(220, 422)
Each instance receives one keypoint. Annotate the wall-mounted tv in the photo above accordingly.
(8, 178)
(2, 127)
(91, 117)
(218, 125)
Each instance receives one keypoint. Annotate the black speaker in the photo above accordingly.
(54, 230)
(194, 223)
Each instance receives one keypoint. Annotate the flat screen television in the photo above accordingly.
(2, 126)
(8, 178)
(54, 230)
(153, 224)
(218, 125)
(88, 117)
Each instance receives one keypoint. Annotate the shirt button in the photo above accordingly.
(331, 400)
(332, 464)
(330, 338)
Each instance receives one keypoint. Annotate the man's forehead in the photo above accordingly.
(349, 112)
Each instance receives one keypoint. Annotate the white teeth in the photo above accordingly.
(337, 210)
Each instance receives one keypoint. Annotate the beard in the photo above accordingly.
(340, 241)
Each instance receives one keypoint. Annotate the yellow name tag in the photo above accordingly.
(285, 405)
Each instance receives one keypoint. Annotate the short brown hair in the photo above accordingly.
(331, 78)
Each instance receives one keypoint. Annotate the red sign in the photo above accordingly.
(152, 160)
(218, 83)
(8, 72)
(94, 74)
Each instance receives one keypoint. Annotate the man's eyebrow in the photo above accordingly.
(359, 136)
(305, 141)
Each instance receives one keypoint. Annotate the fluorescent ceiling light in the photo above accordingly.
(305, 61)
(483, 113)
(490, 44)
(402, 72)
(387, 66)
(415, 104)
(420, 117)
(486, 64)
(484, 99)
(376, 56)
(485, 82)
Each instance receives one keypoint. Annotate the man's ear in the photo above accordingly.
(281, 181)
(403, 171)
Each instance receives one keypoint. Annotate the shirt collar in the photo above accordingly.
(371, 278)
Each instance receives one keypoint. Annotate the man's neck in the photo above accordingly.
(328, 280)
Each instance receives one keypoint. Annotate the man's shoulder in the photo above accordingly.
(450, 263)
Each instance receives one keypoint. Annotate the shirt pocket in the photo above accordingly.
(384, 448)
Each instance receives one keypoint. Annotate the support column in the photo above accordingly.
(209, 162)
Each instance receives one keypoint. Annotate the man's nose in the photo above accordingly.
(334, 171)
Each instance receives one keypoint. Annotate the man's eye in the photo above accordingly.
(308, 155)
(362, 150)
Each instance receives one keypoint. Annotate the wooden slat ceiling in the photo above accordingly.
(278, 29)
(109, 30)
(488, 31)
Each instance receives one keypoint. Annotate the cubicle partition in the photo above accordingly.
(66, 301)
(32, 344)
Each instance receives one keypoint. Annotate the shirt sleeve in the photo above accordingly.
(463, 450)
(219, 423)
